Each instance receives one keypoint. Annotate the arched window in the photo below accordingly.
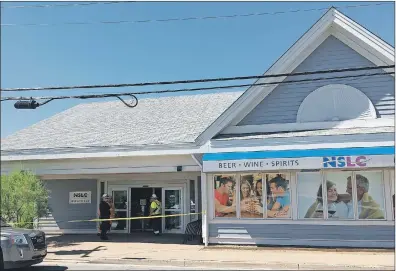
(336, 102)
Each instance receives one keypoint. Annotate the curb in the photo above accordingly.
(222, 264)
(296, 248)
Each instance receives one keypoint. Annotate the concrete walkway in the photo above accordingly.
(145, 249)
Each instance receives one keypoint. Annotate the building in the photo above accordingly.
(258, 164)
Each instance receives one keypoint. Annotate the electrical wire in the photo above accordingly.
(201, 18)
(365, 68)
(62, 5)
(107, 95)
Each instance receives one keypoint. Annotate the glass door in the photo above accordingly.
(120, 200)
(173, 205)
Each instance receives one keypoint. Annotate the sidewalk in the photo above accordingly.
(141, 249)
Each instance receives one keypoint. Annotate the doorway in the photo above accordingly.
(140, 206)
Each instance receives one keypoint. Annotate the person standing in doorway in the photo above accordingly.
(155, 210)
(104, 213)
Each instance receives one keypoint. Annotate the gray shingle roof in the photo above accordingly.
(155, 121)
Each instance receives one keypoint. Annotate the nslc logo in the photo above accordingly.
(344, 161)
(80, 195)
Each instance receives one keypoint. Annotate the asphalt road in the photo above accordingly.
(63, 266)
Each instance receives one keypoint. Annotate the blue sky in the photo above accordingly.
(125, 53)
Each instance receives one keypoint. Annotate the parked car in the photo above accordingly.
(21, 247)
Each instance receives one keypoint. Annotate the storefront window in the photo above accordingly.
(339, 196)
(370, 195)
(225, 195)
(278, 196)
(310, 195)
(251, 196)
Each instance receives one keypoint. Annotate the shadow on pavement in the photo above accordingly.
(85, 253)
(138, 237)
(45, 268)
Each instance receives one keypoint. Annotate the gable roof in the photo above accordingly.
(332, 23)
(156, 123)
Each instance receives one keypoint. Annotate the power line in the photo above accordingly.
(200, 18)
(365, 68)
(108, 95)
(62, 5)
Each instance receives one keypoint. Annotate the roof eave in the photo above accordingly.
(81, 153)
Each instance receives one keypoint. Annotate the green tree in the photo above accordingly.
(23, 198)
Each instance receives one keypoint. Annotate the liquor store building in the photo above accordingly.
(282, 163)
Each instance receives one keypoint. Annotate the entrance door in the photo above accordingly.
(140, 204)
(173, 205)
(120, 199)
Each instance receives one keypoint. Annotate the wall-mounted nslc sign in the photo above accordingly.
(80, 197)
(363, 161)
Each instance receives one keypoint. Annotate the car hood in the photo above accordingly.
(10, 230)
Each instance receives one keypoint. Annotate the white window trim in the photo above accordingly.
(237, 195)
(212, 195)
(264, 196)
(304, 222)
(354, 197)
(294, 127)
(294, 195)
(388, 186)
(237, 177)
(288, 177)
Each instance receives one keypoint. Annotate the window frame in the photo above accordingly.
(236, 176)
(321, 173)
(238, 185)
(383, 195)
(288, 177)
(294, 192)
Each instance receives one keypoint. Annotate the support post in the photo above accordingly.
(204, 191)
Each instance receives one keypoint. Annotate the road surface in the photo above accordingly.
(63, 266)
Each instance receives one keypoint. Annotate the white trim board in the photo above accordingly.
(262, 221)
(49, 156)
(304, 242)
(116, 170)
(359, 39)
(289, 127)
(237, 146)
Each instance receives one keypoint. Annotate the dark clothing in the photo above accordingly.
(104, 209)
(156, 224)
(104, 228)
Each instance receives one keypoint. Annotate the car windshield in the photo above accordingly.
(3, 223)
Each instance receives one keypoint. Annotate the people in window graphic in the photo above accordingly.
(259, 191)
(250, 204)
(279, 205)
(223, 204)
(333, 203)
(368, 208)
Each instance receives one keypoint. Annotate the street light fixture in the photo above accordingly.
(32, 104)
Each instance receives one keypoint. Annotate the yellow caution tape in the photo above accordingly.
(112, 219)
